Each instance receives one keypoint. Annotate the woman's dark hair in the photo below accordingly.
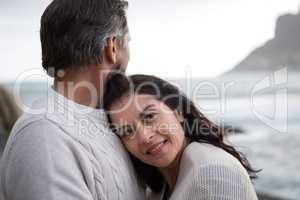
(196, 126)
(73, 32)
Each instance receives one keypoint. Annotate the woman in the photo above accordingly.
(177, 152)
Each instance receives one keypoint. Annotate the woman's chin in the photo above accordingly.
(160, 163)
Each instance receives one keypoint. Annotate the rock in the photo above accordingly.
(281, 51)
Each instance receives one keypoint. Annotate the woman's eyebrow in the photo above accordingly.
(146, 108)
(141, 115)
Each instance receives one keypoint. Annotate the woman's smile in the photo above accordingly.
(157, 148)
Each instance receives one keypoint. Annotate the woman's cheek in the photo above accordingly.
(131, 146)
(163, 128)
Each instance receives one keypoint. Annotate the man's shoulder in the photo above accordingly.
(29, 127)
(27, 119)
(32, 122)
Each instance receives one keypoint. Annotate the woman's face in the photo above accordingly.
(149, 129)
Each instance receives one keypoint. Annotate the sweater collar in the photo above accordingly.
(68, 107)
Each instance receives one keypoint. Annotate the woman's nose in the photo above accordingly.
(145, 135)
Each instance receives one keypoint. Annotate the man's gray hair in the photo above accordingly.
(73, 33)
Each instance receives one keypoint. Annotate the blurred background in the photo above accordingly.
(239, 60)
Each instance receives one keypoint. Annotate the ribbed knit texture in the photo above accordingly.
(66, 152)
(209, 173)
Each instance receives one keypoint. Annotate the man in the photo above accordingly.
(62, 148)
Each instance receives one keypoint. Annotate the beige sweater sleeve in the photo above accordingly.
(216, 181)
(209, 173)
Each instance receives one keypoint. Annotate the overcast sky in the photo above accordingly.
(209, 36)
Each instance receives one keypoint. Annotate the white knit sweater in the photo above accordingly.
(209, 173)
(66, 152)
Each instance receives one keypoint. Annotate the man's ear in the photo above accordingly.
(111, 50)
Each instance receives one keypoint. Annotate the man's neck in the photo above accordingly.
(83, 87)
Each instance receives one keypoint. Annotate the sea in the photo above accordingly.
(264, 105)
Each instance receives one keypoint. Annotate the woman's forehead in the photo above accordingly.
(136, 102)
(130, 107)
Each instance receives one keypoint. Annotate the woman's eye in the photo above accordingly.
(149, 118)
(127, 132)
